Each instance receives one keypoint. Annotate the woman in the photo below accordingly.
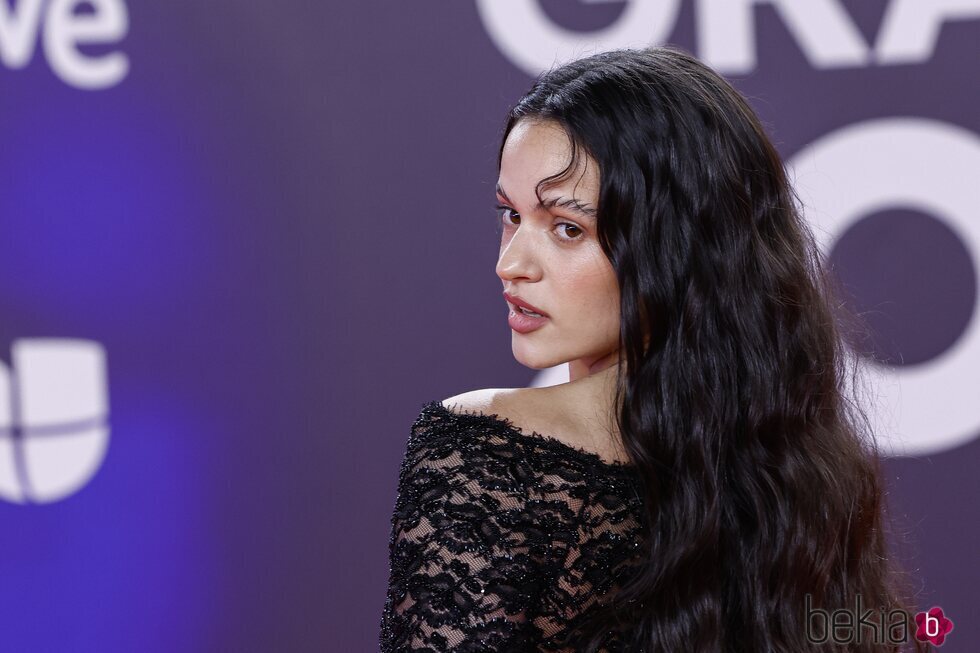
(702, 482)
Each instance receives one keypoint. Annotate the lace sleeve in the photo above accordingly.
(464, 564)
(505, 541)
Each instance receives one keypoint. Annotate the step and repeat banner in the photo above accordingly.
(241, 244)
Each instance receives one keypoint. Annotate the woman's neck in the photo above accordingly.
(590, 391)
(583, 368)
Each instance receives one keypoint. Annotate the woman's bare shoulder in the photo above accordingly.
(485, 400)
(513, 403)
(530, 409)
(544, 410)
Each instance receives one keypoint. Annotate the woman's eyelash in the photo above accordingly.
(501, 208)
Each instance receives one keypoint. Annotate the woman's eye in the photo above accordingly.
(567, 231)
(570, 236)
(504, 213)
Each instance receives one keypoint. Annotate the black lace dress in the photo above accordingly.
(503, 541)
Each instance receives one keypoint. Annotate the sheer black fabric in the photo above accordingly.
(503, 541)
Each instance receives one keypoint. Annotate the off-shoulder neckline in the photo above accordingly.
(547, 441)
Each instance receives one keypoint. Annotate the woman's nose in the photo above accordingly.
(518, 257)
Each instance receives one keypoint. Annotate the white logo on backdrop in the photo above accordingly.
(726, 39)
(61, 30)
(533, 42)
(870, 167)
(53, 418)
(920, 164)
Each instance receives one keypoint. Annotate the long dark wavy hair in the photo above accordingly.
(761, 475)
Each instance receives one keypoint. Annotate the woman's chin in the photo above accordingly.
(536, 360)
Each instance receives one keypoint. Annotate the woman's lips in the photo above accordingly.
(517, 302)
(522, 323)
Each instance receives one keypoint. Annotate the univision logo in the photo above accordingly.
(53, 418)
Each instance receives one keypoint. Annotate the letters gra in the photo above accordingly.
(60, 26)
(725, 31)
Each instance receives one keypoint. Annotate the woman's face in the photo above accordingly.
(550, 255)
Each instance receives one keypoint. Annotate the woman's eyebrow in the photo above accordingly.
(569, 203)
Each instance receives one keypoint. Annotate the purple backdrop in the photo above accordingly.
(242, 243)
